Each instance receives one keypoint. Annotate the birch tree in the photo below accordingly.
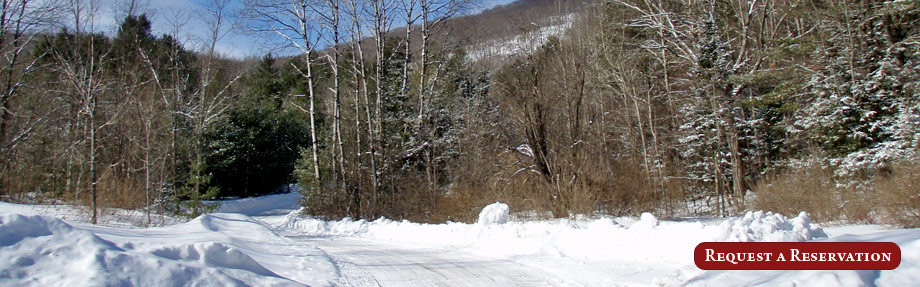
(295, 23)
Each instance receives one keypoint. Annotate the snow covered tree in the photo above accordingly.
(864, 113)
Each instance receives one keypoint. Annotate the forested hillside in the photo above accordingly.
(414, 109)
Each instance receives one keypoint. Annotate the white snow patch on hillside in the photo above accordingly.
(496, 213)
(522, 44)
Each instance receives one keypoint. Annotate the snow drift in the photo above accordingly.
(46, 251)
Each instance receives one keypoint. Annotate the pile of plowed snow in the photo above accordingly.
(768, 226)
(211, 250)
(45, 251)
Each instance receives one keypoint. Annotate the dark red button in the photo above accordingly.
(797, 255)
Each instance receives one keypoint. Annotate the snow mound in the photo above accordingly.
(496, 213)
(45, 251)
(646, 222)
(767, 226)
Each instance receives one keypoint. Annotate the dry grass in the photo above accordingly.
(899, 195)
(813, 190)
(889, 198)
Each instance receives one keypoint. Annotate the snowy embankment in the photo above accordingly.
(212, 250)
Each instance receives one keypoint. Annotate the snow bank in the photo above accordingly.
(213, 254)
(642, 239)
(496, 213)
(767, 226)
(45, 251)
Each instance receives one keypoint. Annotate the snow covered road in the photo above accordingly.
(369, 263)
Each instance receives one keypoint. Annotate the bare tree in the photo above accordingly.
(332, 21)
(382, 20)
(408, 7)
(20, 23)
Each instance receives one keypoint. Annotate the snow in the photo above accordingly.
(220, 249)
(521, 44)
(646, 222)
(496, 213)
(767, 226)
(276, 204)
(622, 251)
(107, 216)
(46, 251)
(907, 274)
(266, 242)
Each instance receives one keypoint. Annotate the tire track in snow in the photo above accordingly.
(369, 263)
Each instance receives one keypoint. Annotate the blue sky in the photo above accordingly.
(236, 43)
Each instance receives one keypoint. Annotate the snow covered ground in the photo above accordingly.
(264, 242)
